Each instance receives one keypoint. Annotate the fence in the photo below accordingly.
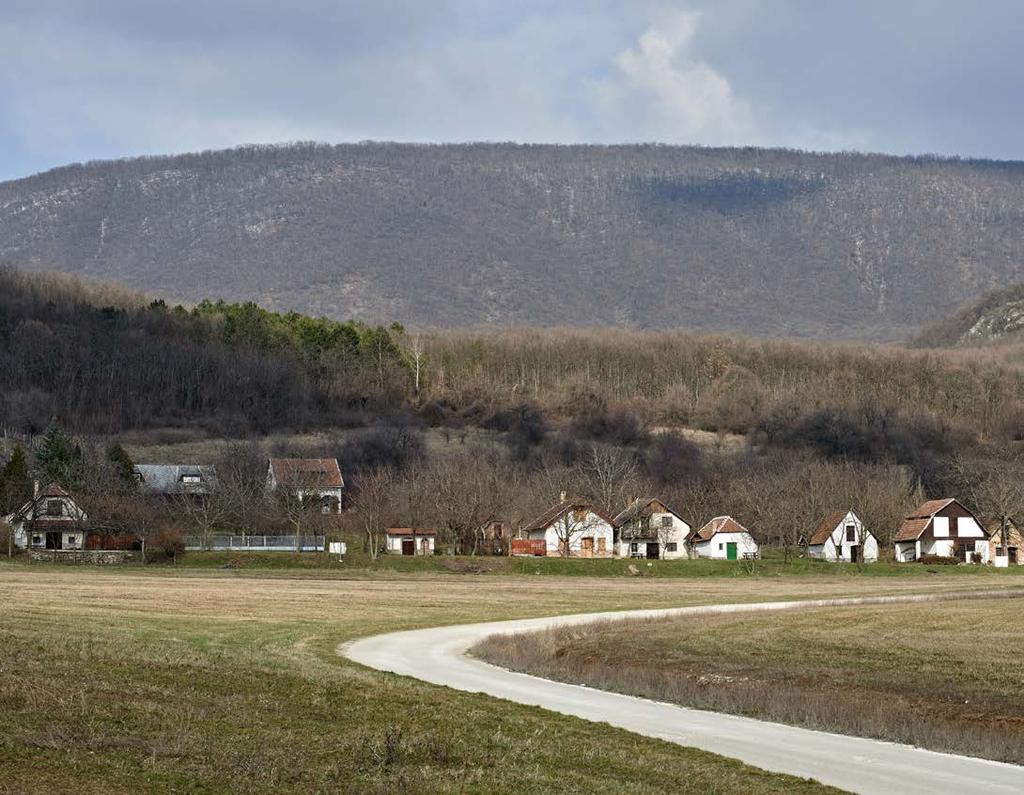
(254, 543)
(529, 546)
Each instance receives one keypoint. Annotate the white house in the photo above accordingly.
(50, 520)
(942, 527)
(841, 536)
(724, 538)
(406, 541)
(318, 478)
(573, 528)
(1005, 551)
(648, 528)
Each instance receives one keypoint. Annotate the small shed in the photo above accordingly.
(723, 538)
(406, 541)
(1008, 551)
(842, 537)
(945, 528)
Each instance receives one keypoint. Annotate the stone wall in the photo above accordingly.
(84, 557)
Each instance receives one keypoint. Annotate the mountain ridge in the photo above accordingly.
(760, 241)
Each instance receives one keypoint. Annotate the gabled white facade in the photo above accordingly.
(848, 542)
(588, 535)
(718, 546)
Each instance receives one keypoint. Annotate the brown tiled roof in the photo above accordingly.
(916, 522)
(826, 527)
(305, 472)
(556, 511)
(640, 507)
(929, 508)
(407, 531)
(720, 524)
(53, 490)
(911, 529)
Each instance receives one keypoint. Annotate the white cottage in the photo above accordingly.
(842, 537)
(724, 538)
(945, 528)
(50, 520)
(406, 541)
(573, 528)
(648, 528)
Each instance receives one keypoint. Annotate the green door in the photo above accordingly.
(730, 550)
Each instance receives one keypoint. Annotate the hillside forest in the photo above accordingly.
(453, 429)
(755, 241)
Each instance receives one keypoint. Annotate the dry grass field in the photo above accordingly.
(179, 681)
(946, 676)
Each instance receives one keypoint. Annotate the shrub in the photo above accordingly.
(938, 560)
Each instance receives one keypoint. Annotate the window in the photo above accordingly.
(602, 544)
(37, 541)
(851, 532)
(54, 508)
(670, 546)
(721, 547)
(666, 521)
(191, 479)
(633, 547)
(579, 514)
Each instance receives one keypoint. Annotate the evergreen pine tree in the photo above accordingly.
(121, 463)
(15, 483)
(59, 457)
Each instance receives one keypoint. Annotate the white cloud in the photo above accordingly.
(659, 91)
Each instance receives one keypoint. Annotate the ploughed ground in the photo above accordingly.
(947, 676)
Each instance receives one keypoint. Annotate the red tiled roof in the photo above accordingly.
(720, 524)
(305, 472)
(408, 531)
(826, 527)
(640, 507)
(929, 508)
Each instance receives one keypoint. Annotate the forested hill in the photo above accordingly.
(997, 317)
(760, 241)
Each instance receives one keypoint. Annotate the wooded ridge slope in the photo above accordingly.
(765, 242)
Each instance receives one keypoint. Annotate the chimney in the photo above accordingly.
(35, 489)
(561, 497)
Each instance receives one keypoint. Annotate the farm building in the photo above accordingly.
(842, 537)
(723, 538)
(944, 528)
(52, 519)
(648, 528)
(305, 478)
(406, 541)
(572, 527)
(1005, 552)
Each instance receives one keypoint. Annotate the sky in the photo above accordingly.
(95, 79)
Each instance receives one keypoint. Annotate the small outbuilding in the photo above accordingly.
(407, 541)
(648, 528)
(1005, 545)
(842, 538)
(573, 527)
(945, 528)
(723, 538)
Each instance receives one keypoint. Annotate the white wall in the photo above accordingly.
(676, 534)
(717, 548)
(394, 544)
(837, 548)
(592, 526)
(906, 551)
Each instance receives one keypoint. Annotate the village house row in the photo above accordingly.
(573, 527)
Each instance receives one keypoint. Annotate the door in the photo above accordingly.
(408, 546)
(855, 554)
(587, 547)
(1012, 555)
(424, 546)
(652, 550)
(730, 550)
(53, 539)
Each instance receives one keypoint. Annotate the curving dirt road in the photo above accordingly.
(438, 655)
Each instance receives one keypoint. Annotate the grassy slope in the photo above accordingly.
(773, 565)
(944, 676)
(161, 680)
